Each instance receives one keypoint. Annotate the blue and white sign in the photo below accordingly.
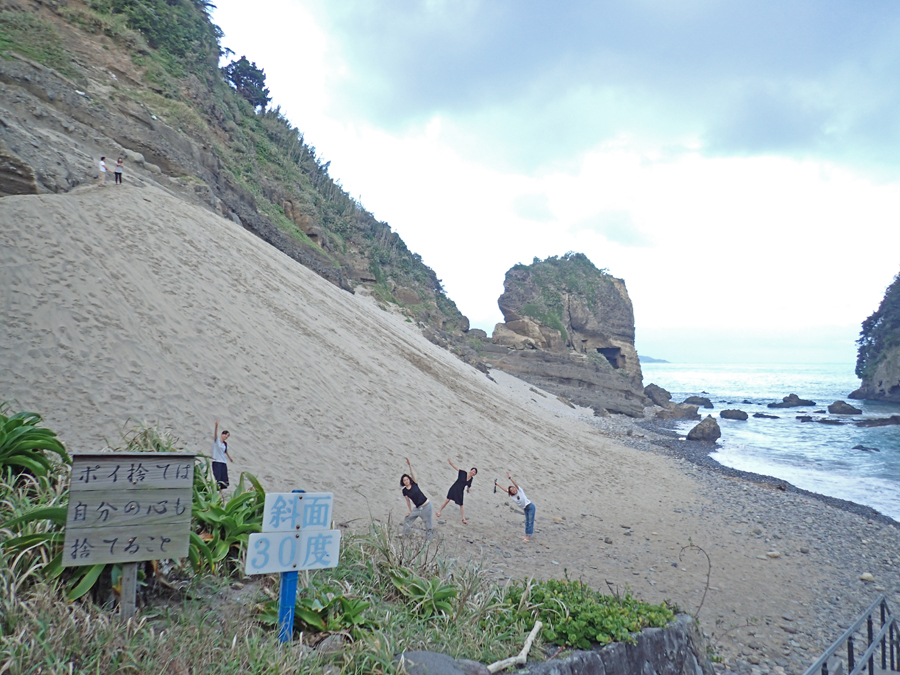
(293, 511)
(271, 552)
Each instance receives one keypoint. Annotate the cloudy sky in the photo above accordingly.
(736, 163)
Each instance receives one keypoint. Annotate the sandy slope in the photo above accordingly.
(121, 302)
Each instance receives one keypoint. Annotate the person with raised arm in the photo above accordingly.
(455, 493)
(416, 502)
(220, 456)
(518, 496)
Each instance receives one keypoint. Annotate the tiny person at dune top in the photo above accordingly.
(518, 496)
(416, 502)
(455, 493)
(220, 456)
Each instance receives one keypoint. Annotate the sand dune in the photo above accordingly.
(124, 303)
(121, 302)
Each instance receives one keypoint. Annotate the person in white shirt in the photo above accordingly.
(518, 496)
(220, 456)
(103, 171)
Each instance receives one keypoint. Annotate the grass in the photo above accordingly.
(36, 39)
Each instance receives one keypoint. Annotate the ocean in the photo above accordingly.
(812, 456)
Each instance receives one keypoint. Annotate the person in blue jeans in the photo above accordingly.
(518, 496)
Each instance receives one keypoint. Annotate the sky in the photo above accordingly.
(735, 162)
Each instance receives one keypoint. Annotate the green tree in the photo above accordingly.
(880, 331)
(249, 81)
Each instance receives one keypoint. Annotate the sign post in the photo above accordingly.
(295, 536)
(127, 507)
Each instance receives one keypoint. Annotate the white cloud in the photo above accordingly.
(766, 243)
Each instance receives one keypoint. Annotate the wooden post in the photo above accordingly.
(128, 596)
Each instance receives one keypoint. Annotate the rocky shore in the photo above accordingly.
(852, 540)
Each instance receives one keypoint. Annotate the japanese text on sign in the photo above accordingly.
(128, 507)
(270, 552)
(291, 511)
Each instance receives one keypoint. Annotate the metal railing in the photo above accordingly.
(884, 644)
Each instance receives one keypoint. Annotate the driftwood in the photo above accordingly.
(522, 656)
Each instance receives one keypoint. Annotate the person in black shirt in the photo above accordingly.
(463, 480)
(416, 502)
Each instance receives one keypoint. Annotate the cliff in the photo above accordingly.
(140, 80)
(569, 328)
(878, 361)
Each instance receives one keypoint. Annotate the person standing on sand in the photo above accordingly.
(463, 480)
(219, 457)
(117, 172)
(518, 496)
(416, 502)
(103, 171)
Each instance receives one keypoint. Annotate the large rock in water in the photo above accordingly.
(791, 401)
(733, 415)
(843, 408)
(657, 395)
(570, 330)
(698, 401)
(707, 430)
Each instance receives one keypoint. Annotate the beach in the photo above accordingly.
(126, 303)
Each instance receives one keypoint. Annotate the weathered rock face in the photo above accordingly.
(733, 414)
(878, 360)
(843, 408)
(580, 380)
(657, 395)
(707, 430)
(581, 321)
(884, 382)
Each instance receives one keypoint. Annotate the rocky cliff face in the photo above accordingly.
(878, 362)
(883, 384)
(569, 328)
(77, 84)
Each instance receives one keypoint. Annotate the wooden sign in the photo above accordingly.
(128, 507)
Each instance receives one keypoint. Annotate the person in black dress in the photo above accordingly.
(455, 493)
(416, 502)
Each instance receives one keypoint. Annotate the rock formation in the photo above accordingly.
(733, 415)
(708, 430)
(843, 408)
(569, 328)
(791, 401)
(657, 395)
(878, 362)
(698, 401)
(678, 411)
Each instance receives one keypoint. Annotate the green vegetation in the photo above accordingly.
(22, 443)
(249, 81)
(572, 273)
(37, 39)
(880, 332)
(576, 615)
